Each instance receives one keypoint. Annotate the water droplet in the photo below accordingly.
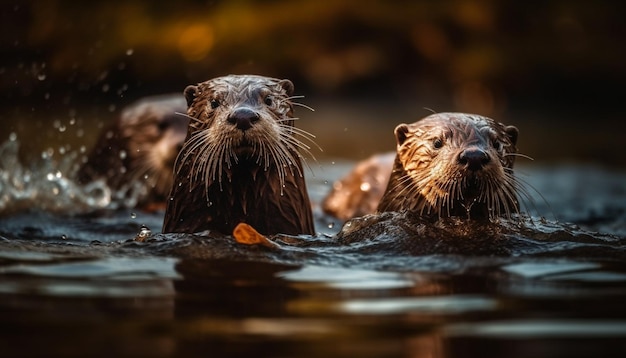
(63, 237)
(144, 231)
(41, 77)
(13, 137)
(62, 128)
(123, 154)
(331, 225)
(106, 87)
(129, 52)
(133, 215)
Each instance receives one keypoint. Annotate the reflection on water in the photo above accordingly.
(80, 285)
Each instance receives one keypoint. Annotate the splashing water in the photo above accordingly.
(49, 185)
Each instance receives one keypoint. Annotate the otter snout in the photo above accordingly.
(243, 118)
(473, 158)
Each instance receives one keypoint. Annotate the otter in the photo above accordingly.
(138, 150)
(359, 192)
(454, 165)
(240, 162)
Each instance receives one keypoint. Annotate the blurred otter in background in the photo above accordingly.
(359, 191)
(135, 155)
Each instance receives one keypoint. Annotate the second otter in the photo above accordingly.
(453, 164)
(447, 164)
(240, 160)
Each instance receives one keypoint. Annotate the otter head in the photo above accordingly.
(136, 153)
(241, 118)
(154, 131)
(454, 164)
(240, 160)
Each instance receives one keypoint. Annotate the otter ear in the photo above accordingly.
(287, 86)
(512, 132)
(401, 132)
(190, 94)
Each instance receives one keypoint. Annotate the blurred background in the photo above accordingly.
(556, 69)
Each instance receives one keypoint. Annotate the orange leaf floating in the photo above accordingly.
(246, 234)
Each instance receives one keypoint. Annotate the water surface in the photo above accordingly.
(76, 282)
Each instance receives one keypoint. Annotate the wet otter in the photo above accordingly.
(454, 164)
(240, 160)
(138, 150)
(359, 192)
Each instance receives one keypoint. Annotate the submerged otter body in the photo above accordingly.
(240, 160)
(137, 152)
(453, 164)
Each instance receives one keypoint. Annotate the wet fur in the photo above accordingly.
(139, 148)
(225, 175)
(428, 178)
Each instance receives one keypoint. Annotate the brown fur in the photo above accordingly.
(359, 192)
(240, 161)
(139, 148)
(454, 164)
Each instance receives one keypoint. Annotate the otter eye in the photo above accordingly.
(215, 103)
(163, 125)
(438, 143)
(497, 145)
(268, 100)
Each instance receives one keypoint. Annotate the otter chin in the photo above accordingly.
(240, 162)
(454, 165)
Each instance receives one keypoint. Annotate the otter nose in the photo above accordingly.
(243, 118)
(474, 158)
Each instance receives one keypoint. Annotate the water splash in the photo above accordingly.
(48, 184)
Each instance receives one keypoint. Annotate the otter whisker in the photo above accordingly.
(194, 119)
(524, 190)
(299, 104)
(519, 155)
(298, 144)
(298, 96)
(406, 184)
(308, 136)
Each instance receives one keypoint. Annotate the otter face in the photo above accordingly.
(238, 119)
(155, 134)
(458, 164)
(246, 110)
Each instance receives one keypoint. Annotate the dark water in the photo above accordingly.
(78, 284)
